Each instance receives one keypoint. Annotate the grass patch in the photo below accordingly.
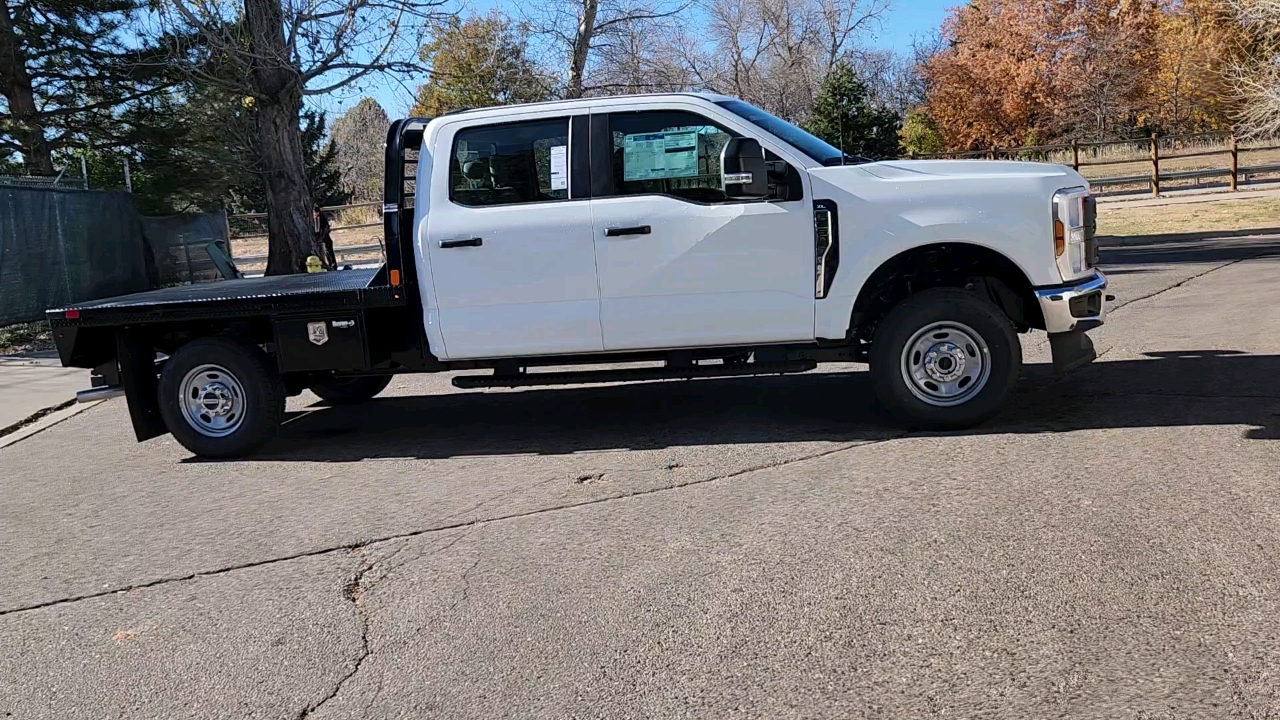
(25, 337)
(1258, 213)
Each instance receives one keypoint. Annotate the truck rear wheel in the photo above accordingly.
(221, 397)
(352, 390)
(945, 359)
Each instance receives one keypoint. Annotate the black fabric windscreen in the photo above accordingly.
(60, 247)
(64, 246)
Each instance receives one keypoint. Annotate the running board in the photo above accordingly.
(688, 372)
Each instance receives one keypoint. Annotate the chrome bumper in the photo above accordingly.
(1079, 305)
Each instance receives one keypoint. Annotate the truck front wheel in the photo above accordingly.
(350, 391)
(221, 397)
(944, 359)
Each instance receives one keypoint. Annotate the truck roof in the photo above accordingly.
(588, 102)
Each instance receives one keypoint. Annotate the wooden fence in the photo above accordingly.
(1156, 150)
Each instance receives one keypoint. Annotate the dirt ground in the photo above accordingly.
(1230, 213)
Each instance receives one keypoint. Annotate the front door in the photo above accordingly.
(512, 258)
(680, 264)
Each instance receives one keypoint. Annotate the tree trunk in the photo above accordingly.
(277, 86)
(15, 85)
(291, 236)
(581, 47)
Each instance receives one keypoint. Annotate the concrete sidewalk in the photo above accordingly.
(32, 382)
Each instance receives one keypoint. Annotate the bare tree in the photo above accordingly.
(572, 32)
(273, 54)
(1103, 77)
(775, 53)
(642, 57)
(895, 80)
(1257, 81)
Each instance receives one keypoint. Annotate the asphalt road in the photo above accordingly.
(1107, 548)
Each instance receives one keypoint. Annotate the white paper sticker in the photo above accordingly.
(559, 167)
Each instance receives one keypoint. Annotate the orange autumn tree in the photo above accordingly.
(1107, 53)
(1020, 72)
(1198, 43)
(993, 85)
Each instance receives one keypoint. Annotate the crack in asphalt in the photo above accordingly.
(1118, 306)
(353, 592)
(465, 595)
(362, 544)
(1184, 281)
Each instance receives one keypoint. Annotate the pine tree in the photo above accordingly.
(844, 116)
(67, 70)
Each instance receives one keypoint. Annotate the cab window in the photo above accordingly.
(677, 153)
(511, 163)
(667, 152)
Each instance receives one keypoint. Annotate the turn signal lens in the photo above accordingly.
(395, 274)
(1059, 238)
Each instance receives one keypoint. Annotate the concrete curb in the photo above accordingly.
(41, 421)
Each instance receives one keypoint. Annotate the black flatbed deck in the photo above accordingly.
(338, 290)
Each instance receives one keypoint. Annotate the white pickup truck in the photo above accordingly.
(691, 231)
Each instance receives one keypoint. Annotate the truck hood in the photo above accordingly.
(932, 170)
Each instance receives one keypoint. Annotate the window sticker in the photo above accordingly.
(655, 156)
(559, 167)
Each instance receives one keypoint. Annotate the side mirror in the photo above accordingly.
(742, 169)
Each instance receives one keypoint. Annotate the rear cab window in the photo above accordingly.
(510, 163)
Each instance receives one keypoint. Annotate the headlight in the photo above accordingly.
(1073, 223)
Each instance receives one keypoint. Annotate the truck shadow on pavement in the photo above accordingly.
(1187, 248)
(1174, 389)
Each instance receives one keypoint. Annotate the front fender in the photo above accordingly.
(871, 234)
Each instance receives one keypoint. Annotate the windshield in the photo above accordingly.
(810, 145)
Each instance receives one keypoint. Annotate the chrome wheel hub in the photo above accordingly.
(946, 363)
(213, 401)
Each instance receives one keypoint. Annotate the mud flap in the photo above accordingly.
(1071, 350)
(138, 375)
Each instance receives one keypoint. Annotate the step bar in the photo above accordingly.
(583, 377)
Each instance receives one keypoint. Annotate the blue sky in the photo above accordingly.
(906, 20)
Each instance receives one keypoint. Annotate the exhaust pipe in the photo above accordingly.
(99, 393)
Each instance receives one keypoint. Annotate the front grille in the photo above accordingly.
(1090, 230)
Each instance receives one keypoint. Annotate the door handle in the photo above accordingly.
(468, 242)
(618, 232)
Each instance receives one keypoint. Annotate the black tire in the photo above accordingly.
(350, 391)
(959, 311)
(249, 375)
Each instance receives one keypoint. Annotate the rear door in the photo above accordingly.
(680, 264)
(512, 257)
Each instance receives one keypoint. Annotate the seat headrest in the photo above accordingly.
(476, 169)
